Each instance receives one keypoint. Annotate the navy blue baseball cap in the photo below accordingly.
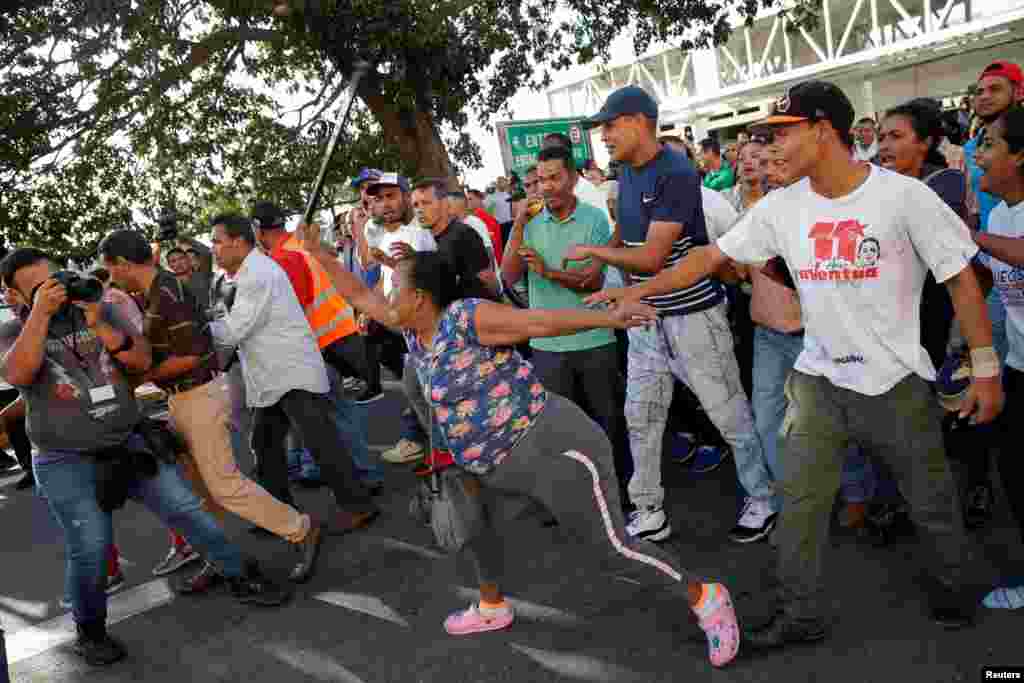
(365, 174)
(631, 99)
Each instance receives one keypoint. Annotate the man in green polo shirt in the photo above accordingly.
(584, 367)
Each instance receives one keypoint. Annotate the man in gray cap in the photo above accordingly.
(661, 218)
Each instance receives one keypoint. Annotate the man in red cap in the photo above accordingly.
(1000, 85)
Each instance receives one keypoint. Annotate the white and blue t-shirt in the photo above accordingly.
(1008, 280)
(667, 189)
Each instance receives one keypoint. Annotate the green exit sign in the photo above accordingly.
(521, 140)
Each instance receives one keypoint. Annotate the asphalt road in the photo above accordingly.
(374, 611)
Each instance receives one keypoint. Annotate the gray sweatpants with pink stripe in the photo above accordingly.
(565, 462)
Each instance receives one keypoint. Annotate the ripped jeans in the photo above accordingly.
(697, 348)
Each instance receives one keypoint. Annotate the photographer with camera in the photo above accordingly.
(184, 366)
(69, 355)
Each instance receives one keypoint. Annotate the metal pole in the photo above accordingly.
(314, 198)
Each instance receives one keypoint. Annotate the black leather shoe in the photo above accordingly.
(26, 482)
(953, 617)
(255, 589)
(781, 631)
(978, 506)
(96, 647)
(309, 549)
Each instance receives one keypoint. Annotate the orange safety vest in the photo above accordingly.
(329, 314)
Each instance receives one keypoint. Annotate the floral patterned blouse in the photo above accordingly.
(485, 398)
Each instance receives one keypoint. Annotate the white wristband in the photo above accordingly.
(984, 362)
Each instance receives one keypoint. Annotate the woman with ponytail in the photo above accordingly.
(514, 437)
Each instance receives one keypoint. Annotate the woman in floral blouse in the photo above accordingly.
(516, 437)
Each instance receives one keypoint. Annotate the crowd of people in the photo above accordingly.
(830, 302)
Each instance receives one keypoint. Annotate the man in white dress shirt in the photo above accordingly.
(286, 379)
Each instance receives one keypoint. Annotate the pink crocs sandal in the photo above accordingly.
(478, 619)
(722, 630)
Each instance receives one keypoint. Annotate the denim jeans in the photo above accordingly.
(350, 419)
(69, 486)
(411, 428)
(696, 348)
(775, 354)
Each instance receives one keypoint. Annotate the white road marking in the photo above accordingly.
(389, 542)
(577, 666)
(34, 640)
(312, 663)
(27, 609)
(366, 604)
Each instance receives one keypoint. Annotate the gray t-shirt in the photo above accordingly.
(80, 399)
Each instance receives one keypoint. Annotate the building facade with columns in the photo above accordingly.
(880, 52)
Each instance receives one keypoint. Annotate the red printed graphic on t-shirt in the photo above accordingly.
(842, 252)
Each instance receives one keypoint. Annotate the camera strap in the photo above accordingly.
(73, 346)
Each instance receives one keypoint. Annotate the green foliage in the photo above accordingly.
(116, 107)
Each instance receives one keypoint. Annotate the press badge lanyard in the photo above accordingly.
(97, 393)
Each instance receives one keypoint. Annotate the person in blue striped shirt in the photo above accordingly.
(660, 219)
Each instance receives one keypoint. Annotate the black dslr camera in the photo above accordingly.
(85, 289)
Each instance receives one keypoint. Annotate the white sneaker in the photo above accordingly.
(175, 560)
(648, 524)
(756, 521)
(405, 451)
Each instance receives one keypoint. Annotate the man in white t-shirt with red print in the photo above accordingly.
(858, 240)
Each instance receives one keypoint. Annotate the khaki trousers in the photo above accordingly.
(201, 416)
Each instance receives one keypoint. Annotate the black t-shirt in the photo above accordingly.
(936, 305)
(199, 284)
(464, 252)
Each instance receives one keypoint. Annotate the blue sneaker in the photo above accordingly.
(709, 458)
(683, 446)
(295, 464)
(310, 470)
